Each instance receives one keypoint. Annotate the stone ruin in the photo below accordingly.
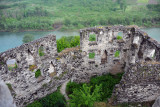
(35, 69)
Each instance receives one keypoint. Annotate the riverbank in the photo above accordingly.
(72, 30)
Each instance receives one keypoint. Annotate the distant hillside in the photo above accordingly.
(19, 15)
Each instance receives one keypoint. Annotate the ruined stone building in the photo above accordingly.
(35, 69)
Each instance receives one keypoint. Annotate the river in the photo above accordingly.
(10, 40)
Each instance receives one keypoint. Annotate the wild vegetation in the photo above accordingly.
(67, 42)
(28, 38)
(97, 90)
(19, 15)
(55, 99)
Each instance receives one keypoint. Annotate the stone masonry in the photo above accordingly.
(35, 69)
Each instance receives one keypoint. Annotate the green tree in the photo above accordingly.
(85, 96)
(28, 38)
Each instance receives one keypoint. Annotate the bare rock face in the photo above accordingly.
(6, 100)
(157, 102)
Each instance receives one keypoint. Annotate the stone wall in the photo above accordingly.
(140, 83)
(29, 68)
(35, 69)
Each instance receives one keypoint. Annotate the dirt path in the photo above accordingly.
(63, 90)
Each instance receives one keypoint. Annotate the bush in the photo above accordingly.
(107, 83)
(37, 73)
(55, 99)
(85, 96)
(41, 51)
(67, 42)
(117, 53)
(28, 38)
(71, 86)
(119, 37)
(91, 55)
(35, 104)
(92, 37)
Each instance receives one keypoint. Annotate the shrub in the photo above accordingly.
(41, 51)
(91, 55)
(67, 42)
(71, 86)
(107, 83)
(92, 37)
(119, 37)
(35, 104)
(117, 53)
(55, 99)
(28, 38)
(37, 73)
(85, 96)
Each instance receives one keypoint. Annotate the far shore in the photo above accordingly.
(59, 29)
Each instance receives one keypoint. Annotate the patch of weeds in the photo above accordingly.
(92, 37)
(117, 53)
(32, 67)
(10, 68)
(41, 51)
(44, 85)
(58, 58)
(91, 55)
(119, 37)
(16, 66)
(37, 73)
(9, 86)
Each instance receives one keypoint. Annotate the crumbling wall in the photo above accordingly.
(29, 68)
(140, 83)
(35, 69)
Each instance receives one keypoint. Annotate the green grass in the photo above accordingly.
(117, 53)
(91, 55)
(41, 51)
(119, 37)
(143, 1)
(92, 37)
(107, 81)
(37, 73)
(55, 99)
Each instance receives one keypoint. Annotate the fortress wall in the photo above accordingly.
(29, 68)
(138, 56)
(140, 82)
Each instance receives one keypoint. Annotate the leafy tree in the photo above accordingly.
(67, 42)
(85, 96)
(28, 38)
